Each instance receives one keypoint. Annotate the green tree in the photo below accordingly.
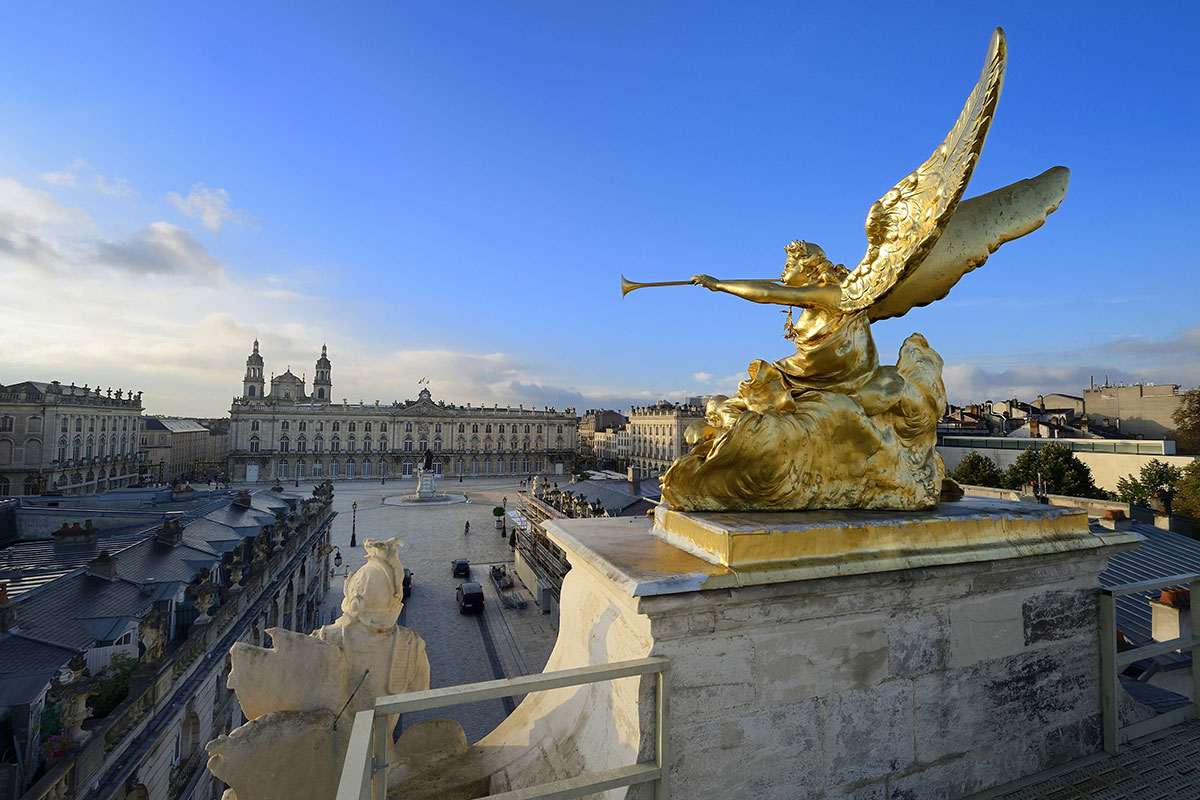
(1187, 422)
(115, 686)
(1155, 482)
(978, 470)
(1187, 492)
(1060, 469)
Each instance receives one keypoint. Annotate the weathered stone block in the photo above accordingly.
(983, 626)
(1059, 614)
(819, 658)
(918, 642)
(870, 733)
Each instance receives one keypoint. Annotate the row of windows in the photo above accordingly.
(351, 469)
(91, 423)
(79, 448)
(335, 445)
(408, 426)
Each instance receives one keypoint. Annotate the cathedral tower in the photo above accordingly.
(252, 384)
(322, 383)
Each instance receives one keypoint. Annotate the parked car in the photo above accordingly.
(470, 597)
(407, 582)
(460, 568)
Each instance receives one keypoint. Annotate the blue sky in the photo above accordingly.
(452, 191)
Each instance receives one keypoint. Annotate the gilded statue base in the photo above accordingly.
(815, 544)
(776, 446)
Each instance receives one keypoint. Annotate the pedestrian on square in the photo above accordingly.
(467, 528)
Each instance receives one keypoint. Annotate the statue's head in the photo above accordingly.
(807, 265)
(374, 594)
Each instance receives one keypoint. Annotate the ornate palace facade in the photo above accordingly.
(288, 434)
(68, 439)
(656, 434)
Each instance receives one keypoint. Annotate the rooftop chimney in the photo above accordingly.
(171, 532)
(103, 566)
(1171, 615)
(635, 481)
(74, 532)
(1033, 428)
(242, 498)
(1115, 520)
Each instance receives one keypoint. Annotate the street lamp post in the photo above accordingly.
(354, 524)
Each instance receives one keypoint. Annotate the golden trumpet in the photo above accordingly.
(628, 286)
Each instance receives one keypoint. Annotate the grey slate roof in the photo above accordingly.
(1162, 553)
(66, 611)
(616, 496)
(26, 667)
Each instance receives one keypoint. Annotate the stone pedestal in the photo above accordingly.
(425, 485)
(831, 654)
(820, 654)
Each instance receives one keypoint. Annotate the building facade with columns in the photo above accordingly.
(656, 434)
(68, 439)
(288, 433)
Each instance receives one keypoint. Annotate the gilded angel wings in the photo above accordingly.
(904, 226)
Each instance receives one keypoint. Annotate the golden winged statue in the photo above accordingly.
(829, 427)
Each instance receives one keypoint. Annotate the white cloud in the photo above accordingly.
(118, 188)
(701, 377)
(162, 249)
(64, 178)
(210, 206)
(31, 226)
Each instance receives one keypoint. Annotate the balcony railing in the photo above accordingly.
(364, 773)
(1112, 662)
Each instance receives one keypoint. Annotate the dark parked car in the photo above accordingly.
(407, 581)
(460, 568)
(470, 597)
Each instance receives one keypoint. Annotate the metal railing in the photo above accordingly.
(364, 773)
(1113, 662)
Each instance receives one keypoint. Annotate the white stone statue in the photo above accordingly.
(292, 692)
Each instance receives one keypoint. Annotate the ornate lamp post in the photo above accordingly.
(353, 523)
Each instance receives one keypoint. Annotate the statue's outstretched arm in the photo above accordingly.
(828, 296)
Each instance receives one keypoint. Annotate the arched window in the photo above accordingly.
(284, 444)
(366, 468)
(62, 449)
(283, 469)
(437, 445)
(350, 466)
(253, 444)
(335, 444)
(124, 445)
(422, 445)
(382, 444)
(301, 469)
(407, 468)
(320, 396)
(90, 445)
(366, 444)
(333, 469)
(350, 445)
(319, 444)
(408, 444)
(250, 390)
(100, 452)
(301, 445)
